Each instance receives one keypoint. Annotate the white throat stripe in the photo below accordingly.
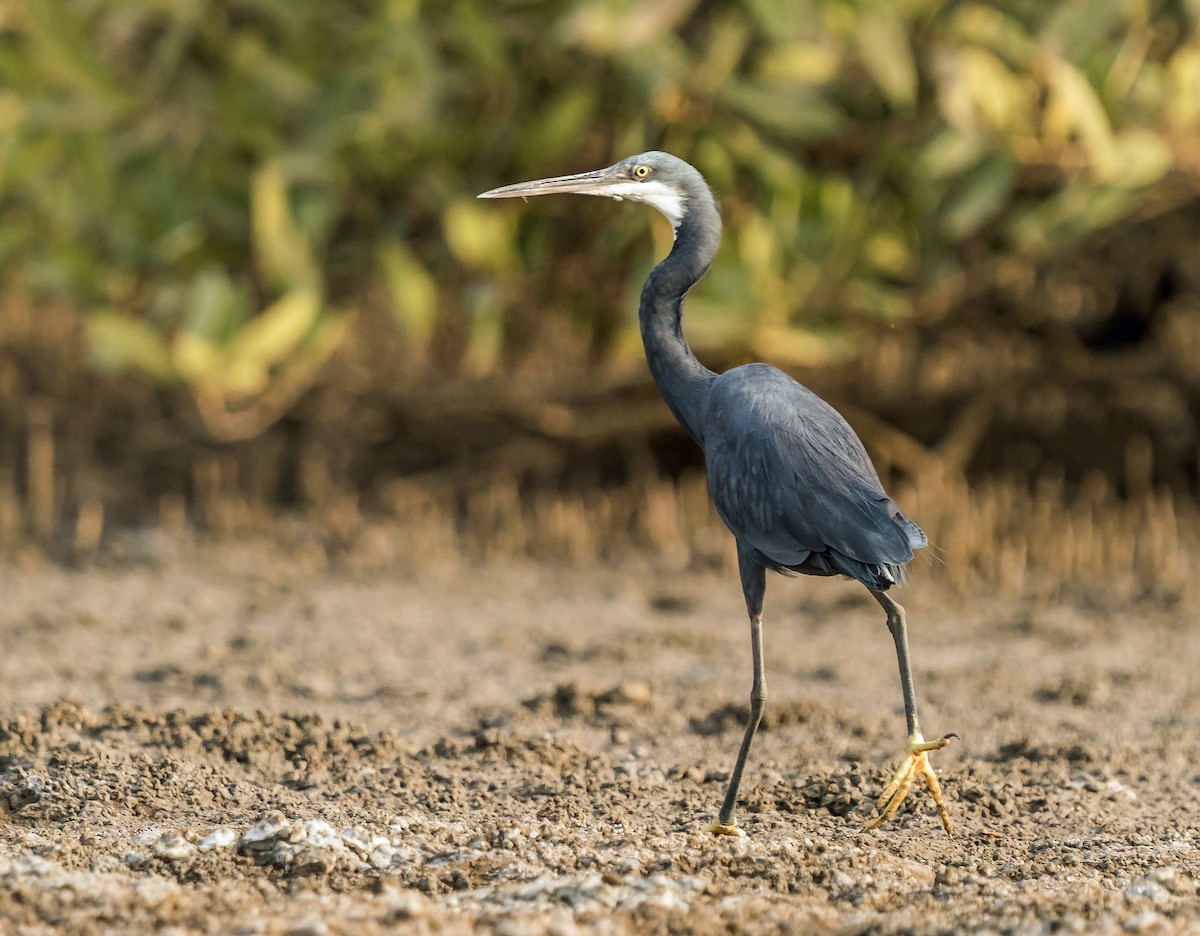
(653, 193)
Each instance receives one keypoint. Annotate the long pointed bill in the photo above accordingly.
(597, 182)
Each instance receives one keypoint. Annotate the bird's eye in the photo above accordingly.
(640, 172)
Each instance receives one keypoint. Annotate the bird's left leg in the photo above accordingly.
(916, 761)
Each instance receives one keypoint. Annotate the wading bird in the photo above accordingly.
(788, 475)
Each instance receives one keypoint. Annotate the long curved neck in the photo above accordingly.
(682, 380)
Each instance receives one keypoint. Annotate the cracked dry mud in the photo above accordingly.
(240, 738)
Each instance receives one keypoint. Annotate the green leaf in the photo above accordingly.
(987, 191)
(554, 134)
(486, 338)
(883, 45)
(998, 31)
(1080, 208)
(214, 308)
(953, 152)
(1076, 27)
(803, 114)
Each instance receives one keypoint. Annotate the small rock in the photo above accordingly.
(309, 863)
(1148, 889)
(223, 837)
(374, 850)
(134, 860)
(841, 880)
(408, 905)
(1173, 880)
(172, 846)
(1143, 922)
(153, 891)
(24, 792)
(310, 927)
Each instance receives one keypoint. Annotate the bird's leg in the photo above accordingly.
(916, 761)
(754, 586)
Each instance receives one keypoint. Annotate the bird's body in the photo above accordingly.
(787, 474)
(794, 484)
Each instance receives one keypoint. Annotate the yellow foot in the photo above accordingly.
(916, 764)
(719, 828)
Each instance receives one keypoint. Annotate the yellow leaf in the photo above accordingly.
(758, 247)
(273, 335)
(1073, 110)
(13, 111)
(325, 339)
(800, 347)
(412, 291)
(974, 86)
(327, 336)
(122, 342)
(1139, 157)
(889, 254)
(279, 244)
(243, 379)
(477, 237)
(801, 63)
(1183, 103)
(610, 27)
(197, 359)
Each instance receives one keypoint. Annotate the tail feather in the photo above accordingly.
(879, 576)
(914, 534)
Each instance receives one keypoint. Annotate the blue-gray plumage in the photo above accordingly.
(793, 483)
(786, 472)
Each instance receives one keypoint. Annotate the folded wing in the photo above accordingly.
(792, 481)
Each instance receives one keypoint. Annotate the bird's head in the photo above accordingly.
(657, 179)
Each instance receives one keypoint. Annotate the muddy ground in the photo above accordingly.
(249, 737)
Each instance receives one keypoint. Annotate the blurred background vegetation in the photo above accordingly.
(241, 259)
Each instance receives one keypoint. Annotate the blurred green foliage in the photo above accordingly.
(222, 186)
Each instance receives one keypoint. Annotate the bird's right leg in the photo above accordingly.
(916, 764)
(754, 587)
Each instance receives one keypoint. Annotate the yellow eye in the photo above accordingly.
(640, 172)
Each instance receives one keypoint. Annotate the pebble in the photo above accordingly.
(223, 837)
(172, 846)
(315, 846)
(1144, 922)
(841, 880)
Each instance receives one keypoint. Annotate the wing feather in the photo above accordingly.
(791, 479)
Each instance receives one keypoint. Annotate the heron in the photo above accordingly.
(788, 476)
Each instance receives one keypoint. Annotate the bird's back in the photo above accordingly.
(794, 484)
